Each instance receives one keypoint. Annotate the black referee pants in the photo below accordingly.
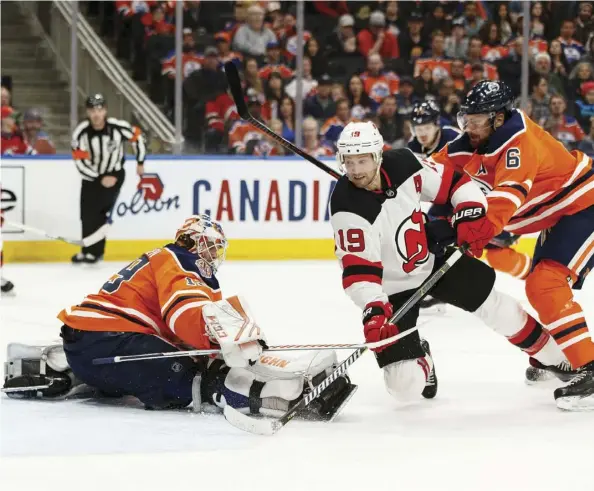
(96, 201)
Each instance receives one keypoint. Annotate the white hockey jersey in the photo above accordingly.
(380, 237)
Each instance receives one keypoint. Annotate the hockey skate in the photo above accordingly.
(430, 390)
(537, 372)
(578, 395)
(80, 258)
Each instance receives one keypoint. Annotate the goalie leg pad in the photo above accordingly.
(268, 387)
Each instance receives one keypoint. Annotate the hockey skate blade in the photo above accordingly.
(24, 389)
(576, 403)
(257, 426)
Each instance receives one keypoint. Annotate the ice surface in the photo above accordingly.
(486, 430)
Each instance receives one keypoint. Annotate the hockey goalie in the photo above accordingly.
(166, 300)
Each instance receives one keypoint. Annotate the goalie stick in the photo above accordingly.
(95, 237)
(269, 426)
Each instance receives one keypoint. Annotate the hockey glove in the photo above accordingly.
(440, 234)
(376, 326)
(472, 227)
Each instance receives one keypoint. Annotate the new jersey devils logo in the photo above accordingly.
(411, 242)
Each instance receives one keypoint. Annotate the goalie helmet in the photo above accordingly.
(360, 138)
(206, 238)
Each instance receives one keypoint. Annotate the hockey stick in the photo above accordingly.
(283, 347)
(242, 109)
(261, 426)
(95, 237)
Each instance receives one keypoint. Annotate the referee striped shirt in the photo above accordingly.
(97, 153)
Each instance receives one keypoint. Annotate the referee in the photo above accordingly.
(98, 150)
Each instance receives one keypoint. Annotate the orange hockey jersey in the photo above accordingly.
(440, 68)
(530, 179)
(378, 88)
(161, 293)
(190, 63)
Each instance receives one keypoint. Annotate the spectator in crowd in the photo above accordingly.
(319, 62)
(243, 138)
(564, 128)
(277, 18)
(274, 63)
(587, 144)
(538, 21)
(528, 108)
(5, 96)
(333, 126)
(493, 48)
(458, 74)
(424, 84)
(223, 42)
(412, 37)
(338, 92)
(436, 20)
(475, 48)
(34, 134)
(477, 73)
(559, 65)
(251, 76)
(286, 115)
(540, 99)
(504, 21)
(585, 106)
(275, 90)
(361, 103)
(390, 123)
(311, 141)
(583, 72)
(308, 82)
(270, 147)
(331, 9)
(343, 42)
(288, 37)
(572, 48)
(240, 15)
(378, 83)
(542, 66)
(376, 39)
(510, 66)
(156, 22)
(191, 60)
(448, 101)
(584, 22)
(321, 106)
(434, 59)
(456, 45)
(220, 115)
(472, 22)
(394, 23)
(406, 97)
(253, 37)
(13, 142)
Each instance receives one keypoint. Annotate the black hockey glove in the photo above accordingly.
(440, 235)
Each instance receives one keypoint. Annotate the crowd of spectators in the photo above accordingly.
(363, 60)
(22, 132)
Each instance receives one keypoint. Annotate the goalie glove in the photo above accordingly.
(230, 324)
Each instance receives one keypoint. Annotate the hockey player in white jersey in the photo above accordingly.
(383, 247)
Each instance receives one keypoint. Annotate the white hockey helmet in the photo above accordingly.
(360, 138)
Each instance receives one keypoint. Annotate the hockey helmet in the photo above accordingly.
(206, 238)
(486, 97)
(96, 100)
(424, 113)
(360, 138)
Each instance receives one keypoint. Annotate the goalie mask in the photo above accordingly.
(206, 238)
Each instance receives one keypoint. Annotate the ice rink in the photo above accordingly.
(486, 430)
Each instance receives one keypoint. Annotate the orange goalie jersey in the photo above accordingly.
(161, 293)
(530, 179)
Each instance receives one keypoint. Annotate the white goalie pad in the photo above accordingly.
(231, 325)
(284, 377)
(52, 354)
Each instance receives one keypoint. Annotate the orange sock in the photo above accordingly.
(549, 293)
(510, 261)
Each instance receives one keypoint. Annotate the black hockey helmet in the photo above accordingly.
(96, 100)
(425, 113)
(487, 96)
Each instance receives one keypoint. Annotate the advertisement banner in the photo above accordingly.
(13, 196)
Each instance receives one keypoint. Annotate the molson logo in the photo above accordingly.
(147, 198)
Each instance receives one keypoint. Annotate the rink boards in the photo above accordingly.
(274, 208)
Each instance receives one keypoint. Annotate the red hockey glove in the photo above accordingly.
(472, 227)
(376, 326)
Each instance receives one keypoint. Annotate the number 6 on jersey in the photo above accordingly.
(351, 240)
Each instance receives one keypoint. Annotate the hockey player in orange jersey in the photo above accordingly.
(533, 184)
(166, 300)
